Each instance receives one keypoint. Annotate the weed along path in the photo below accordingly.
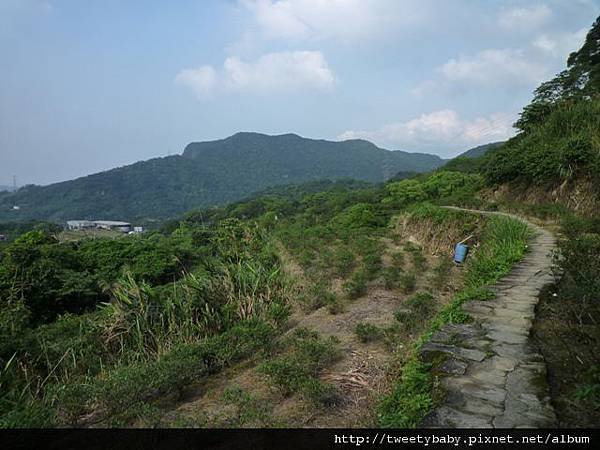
(490, 371)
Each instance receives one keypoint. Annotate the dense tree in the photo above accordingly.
(579, 81)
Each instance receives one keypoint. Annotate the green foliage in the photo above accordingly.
(361, 215)
(316, 296)
(441, 272)
(505, 240)
(149, 337)
(131, 385)
(562, 147)
(356, 286)
(405, 192)
(249, 410)
(413, 394)
(419, 262)
(408, 282)
(442, 186)
(418, 310)
(298, 368)
(590, 390)
(208, 174)
(559, 137)
(579, 262)
(367, 332)
(410, 399)
(445, 184)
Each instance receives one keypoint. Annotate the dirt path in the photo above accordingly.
(495, 377)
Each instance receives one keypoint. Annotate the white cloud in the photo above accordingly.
(493, 66)
(560, 44)
(525, 19)
(272, 72)
(202, 80)
(443, 132)
(489, 69)
(338, 19)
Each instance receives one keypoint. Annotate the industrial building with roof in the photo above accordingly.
(124, 227)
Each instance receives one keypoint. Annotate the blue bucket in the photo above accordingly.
(460, 253)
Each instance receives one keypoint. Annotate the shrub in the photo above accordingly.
(126, 387)
(419, 309)
(562, 146)
(356, 286)
(391, 277)
(361, 215)
(249, 410)
(367, 332)
(408, 282)
(441, 272)
(297, 369)
(343, 260)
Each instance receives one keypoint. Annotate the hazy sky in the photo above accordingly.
(89, 85)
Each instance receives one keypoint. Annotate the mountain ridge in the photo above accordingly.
(207, 174)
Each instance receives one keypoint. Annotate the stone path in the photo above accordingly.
(493, 376)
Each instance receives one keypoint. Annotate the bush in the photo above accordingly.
(367, 332)
(391, 277)
(297, 369)
(419, 309)
(356, 286)
(361, 215)
(408, 282)
(561, 147)
(126, 387)
(579, 262)
(441, 273)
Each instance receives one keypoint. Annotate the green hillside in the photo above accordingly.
(309, 305)
(208, 174)
(480, 150)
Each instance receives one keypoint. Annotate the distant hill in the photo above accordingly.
(480, 150)
(472, 160)
(209, 174)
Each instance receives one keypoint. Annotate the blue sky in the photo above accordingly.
(87, 86)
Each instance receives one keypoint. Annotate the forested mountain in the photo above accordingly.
(208, 174)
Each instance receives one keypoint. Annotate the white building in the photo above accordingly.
(124, 227)
(80, 224)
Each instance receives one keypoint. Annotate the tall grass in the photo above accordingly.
(147, 341)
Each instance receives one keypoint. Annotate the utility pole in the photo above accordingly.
(14, 183)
